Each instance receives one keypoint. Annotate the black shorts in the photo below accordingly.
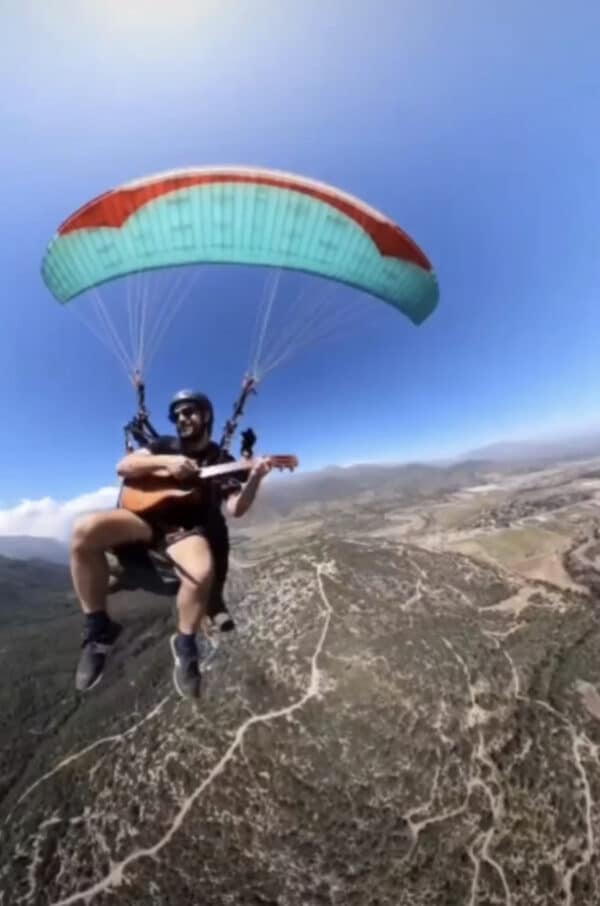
(165, 535)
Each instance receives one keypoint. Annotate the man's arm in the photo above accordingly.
(238, 504)
(146, 462)
(141, 464)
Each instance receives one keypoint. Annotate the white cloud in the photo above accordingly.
(49, 518)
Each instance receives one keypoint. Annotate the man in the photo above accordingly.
(192, 537)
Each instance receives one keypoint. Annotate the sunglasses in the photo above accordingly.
(186, 412)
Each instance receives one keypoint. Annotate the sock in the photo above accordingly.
(186, 644)
(97, 623)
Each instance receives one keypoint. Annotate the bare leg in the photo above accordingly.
(194, 555)
(92, 536)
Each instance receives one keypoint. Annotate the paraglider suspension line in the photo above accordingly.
(140, 429)
(248, 436)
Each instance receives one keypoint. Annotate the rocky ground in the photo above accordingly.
(409, 713)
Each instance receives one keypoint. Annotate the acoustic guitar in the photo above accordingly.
(146, 495)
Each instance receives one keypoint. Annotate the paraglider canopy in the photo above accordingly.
(185, 219)
(244, 216)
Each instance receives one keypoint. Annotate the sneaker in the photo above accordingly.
(186, 673)
(223, 621)
(93, 656)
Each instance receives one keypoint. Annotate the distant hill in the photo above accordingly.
(26, 547)
(558, 448)
(32, 590)
(411, 480)
(280, 498)
(283, 495)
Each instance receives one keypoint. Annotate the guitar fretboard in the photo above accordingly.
(224, 467)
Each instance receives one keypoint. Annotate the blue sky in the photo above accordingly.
(473, 125)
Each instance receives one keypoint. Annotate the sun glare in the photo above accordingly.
(155, 17)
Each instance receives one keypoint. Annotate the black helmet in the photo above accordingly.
(198, 399)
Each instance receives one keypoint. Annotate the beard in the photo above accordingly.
(194, 437)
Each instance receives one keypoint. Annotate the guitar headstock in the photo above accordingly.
(284, 462)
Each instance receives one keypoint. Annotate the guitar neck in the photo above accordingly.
(223, 468)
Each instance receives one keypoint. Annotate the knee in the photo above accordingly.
(197, 580)
(82, 536)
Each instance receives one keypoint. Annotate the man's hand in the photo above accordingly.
(180, 467)
(262, 467)
(240, 503)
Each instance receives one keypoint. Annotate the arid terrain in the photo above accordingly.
(407, 715)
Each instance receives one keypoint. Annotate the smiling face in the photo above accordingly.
(191, 421)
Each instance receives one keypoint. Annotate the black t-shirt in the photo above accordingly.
(217, 489)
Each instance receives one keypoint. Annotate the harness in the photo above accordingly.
(147, 567)
(139, 431)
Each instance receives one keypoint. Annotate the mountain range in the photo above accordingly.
(305, 493)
